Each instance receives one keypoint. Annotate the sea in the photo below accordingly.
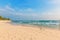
(40, 23)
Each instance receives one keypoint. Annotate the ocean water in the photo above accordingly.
(44, 23)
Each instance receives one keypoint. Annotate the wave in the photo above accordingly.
(44, 23)
(37, 22)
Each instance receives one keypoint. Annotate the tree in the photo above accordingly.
(2, 18)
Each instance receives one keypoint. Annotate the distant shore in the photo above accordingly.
(21, 32)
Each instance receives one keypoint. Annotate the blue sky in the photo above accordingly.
(30, 9)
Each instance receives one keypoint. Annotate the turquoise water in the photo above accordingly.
(45, 23)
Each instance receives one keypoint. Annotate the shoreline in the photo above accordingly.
(22, 32)
(5, 20)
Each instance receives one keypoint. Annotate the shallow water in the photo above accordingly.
(44, 23)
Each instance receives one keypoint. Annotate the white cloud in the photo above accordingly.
(56, 2)
(7, 10)
(29, 9)
(52, 14)
(7, 7)
(1, 9)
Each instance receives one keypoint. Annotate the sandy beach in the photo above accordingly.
(21, 32)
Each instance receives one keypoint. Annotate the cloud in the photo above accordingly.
(52, 14)
(7, 7)
(8, 11)
(29, 9)
(29, 13)
(54, 2)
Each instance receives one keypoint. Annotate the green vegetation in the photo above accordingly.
(2, 18)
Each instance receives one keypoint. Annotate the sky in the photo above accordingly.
(30, 9)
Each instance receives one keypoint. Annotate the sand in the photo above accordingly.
(22, 32)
